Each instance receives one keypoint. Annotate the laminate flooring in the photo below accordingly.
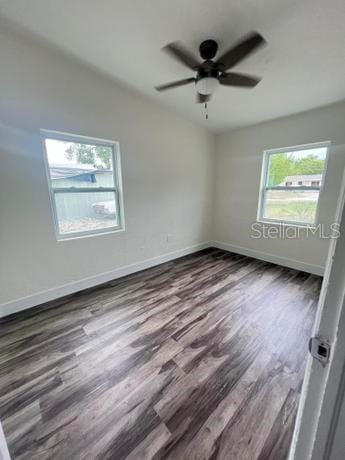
(199, 358)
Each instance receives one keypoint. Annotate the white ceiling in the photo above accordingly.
(303, 66)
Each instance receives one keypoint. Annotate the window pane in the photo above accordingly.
(82, 212)
(291, 205)
(74, 164)
(296, 169)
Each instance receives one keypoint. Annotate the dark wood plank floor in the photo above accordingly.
(200, 358)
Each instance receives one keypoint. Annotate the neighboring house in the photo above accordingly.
(83, 205)
(79, 175)
(306, 180)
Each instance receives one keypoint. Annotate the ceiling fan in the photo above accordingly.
(210, 74)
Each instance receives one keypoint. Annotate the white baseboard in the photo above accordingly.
(268, 257)
(38, 298)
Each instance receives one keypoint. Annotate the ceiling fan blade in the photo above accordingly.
(175, 84)
(202, 98)
(238, 79)
(240, 51)
(178, 52)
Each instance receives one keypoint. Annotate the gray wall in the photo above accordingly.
(238, 170)
(167, 165)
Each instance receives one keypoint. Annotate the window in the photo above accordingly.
(84, 180)
(292, 179)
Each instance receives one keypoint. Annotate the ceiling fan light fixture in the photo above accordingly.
(207, 85)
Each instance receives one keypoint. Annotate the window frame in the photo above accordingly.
(116, 189)
(263, 180)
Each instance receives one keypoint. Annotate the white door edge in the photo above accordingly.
(4, 454)
(321, 385)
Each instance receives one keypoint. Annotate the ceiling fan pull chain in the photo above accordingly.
(206, 111)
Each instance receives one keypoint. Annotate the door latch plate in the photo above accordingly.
(320, 349)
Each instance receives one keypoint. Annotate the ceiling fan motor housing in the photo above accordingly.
(208, 49)
(210, 71)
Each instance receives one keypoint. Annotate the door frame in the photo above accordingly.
(323, 387)
(4, 454)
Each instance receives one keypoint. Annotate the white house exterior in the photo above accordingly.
(89, 204)
(306, 180)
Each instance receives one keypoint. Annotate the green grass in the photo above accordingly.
(296, 211)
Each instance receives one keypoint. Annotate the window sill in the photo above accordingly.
(282, 223)
(79, 236)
